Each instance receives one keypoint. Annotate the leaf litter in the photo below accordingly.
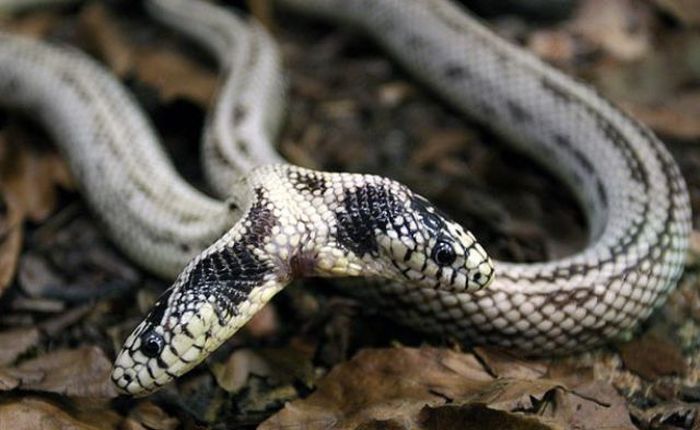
(314, 359)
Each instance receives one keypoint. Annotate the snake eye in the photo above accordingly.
(444, 254)
(152, 344)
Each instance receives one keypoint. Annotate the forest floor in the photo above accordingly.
(314, 358)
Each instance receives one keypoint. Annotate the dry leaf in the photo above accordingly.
(11, 232)
(686, 11)
(265, 323)
(153, 417)
(395, 384)
(391, 388)
(652, 356)
(170, 72)
(279, 365)
(478, 417)
(15, 342)
(233, 374)
(672, 415)
(694, 249)
(28, 182)
(621, 27)
(676, 116)
(504, 365)
(106, 38)
(36, 413)
(577, 410)
(82, 372)
(440, 146)
(35, 25)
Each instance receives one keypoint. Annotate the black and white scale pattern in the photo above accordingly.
(631, 189)
(290, 222)
(300, 223)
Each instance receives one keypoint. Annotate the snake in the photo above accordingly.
(271, 222)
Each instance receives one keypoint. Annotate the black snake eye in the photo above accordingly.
(152, 344)
(444, 254)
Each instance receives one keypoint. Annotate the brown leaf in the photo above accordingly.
(280, 366)
(592, 406)
(676, 116)
(29, 176)
(233, 374)
(264, 323)
(36, 25)
(439, 146)
(620, 27)
(82, 372)
(153, 417)
(694, 249)
(478, 417)
(556, 46)
(672, 415)
(504, 365)
(106, 38)
(11, 233)
(395, 384)
(170, 72)
(652, 356)
(686, 11)
(28, 180)
(36, 413)
(15, 342)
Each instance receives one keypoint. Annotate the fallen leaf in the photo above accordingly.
(504, 365)
(672, 415)
(555, 46)
(106, 38)
(477, 417)
(153, 417)
(694, 248)
(15, 342)
(28, 180)
(652, 356)
(592, 406)
(620, 27)
(265, 323)
(82, 372)
(35, 25)
(278, 365)
(439, 146)
(36, 413)
(11, 233)
(171, 73)
(686, 11)
(233, 374)
(676, 116)
(395, 384)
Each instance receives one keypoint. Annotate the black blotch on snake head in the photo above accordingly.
(430, 249)
(410, 238)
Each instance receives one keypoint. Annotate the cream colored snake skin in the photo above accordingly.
(283, 222)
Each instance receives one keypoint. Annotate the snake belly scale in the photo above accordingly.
(281, 222)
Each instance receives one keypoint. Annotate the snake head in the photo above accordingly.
(399, 235)
(212, 298)
(429, 249)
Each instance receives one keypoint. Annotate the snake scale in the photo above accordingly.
(277, 222)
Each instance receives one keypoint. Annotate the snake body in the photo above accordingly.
(281, 222)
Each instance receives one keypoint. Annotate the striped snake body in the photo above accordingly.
(290, 222)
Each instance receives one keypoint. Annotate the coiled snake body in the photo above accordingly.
(281, 222)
